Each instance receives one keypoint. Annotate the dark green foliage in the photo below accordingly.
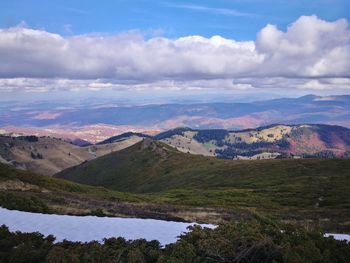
(97, 212)
(170, 133)
(25, 203)
(30, 138)
(230, 153)
(123, 136)
(256, 241)
(36, 155)
(217, 135)
(21, 247)
(300, 131)
(252, 146)
(283, 143)
(323, 154)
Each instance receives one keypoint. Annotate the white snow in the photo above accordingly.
(338, 236)
(88, 228)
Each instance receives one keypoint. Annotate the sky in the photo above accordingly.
(248, 48)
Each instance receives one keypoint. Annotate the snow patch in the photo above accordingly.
(88, 228)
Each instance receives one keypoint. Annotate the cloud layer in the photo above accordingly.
(311, 51)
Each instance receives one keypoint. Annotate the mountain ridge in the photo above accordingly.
(275, 141)
(48, 155)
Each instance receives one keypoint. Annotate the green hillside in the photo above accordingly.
(294, 188)
(28, 191)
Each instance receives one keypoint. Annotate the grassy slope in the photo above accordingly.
(55, 185)
(291, 188)
(28, 191)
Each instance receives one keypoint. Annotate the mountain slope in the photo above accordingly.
(151, 166)
(47, 155)
(298, 188)
(28, 191)
(274, 141)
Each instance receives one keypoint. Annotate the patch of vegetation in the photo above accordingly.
(30, 138)
(254, 241)
(123, 136)
(217, 135)
(36, 155)
(28, 203)
(170, 133)
(50, 193)
(323, 154)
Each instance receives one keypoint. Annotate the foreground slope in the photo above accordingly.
(28, 191)
(292, 188)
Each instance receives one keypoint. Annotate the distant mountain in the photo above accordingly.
(333, 110)
(123, 136)
(269, 142)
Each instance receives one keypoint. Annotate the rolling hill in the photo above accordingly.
(292, 188)
(154, 180)
(270, 142)
(48, 155)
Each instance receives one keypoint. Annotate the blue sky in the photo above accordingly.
(237, 19)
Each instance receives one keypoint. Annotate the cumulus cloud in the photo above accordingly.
(309, 48)
(309, 51)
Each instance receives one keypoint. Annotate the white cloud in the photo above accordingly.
(212, 10)
(311, 51)
(309, 48)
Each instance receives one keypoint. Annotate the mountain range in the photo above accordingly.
(96, 123)
(47, 155)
